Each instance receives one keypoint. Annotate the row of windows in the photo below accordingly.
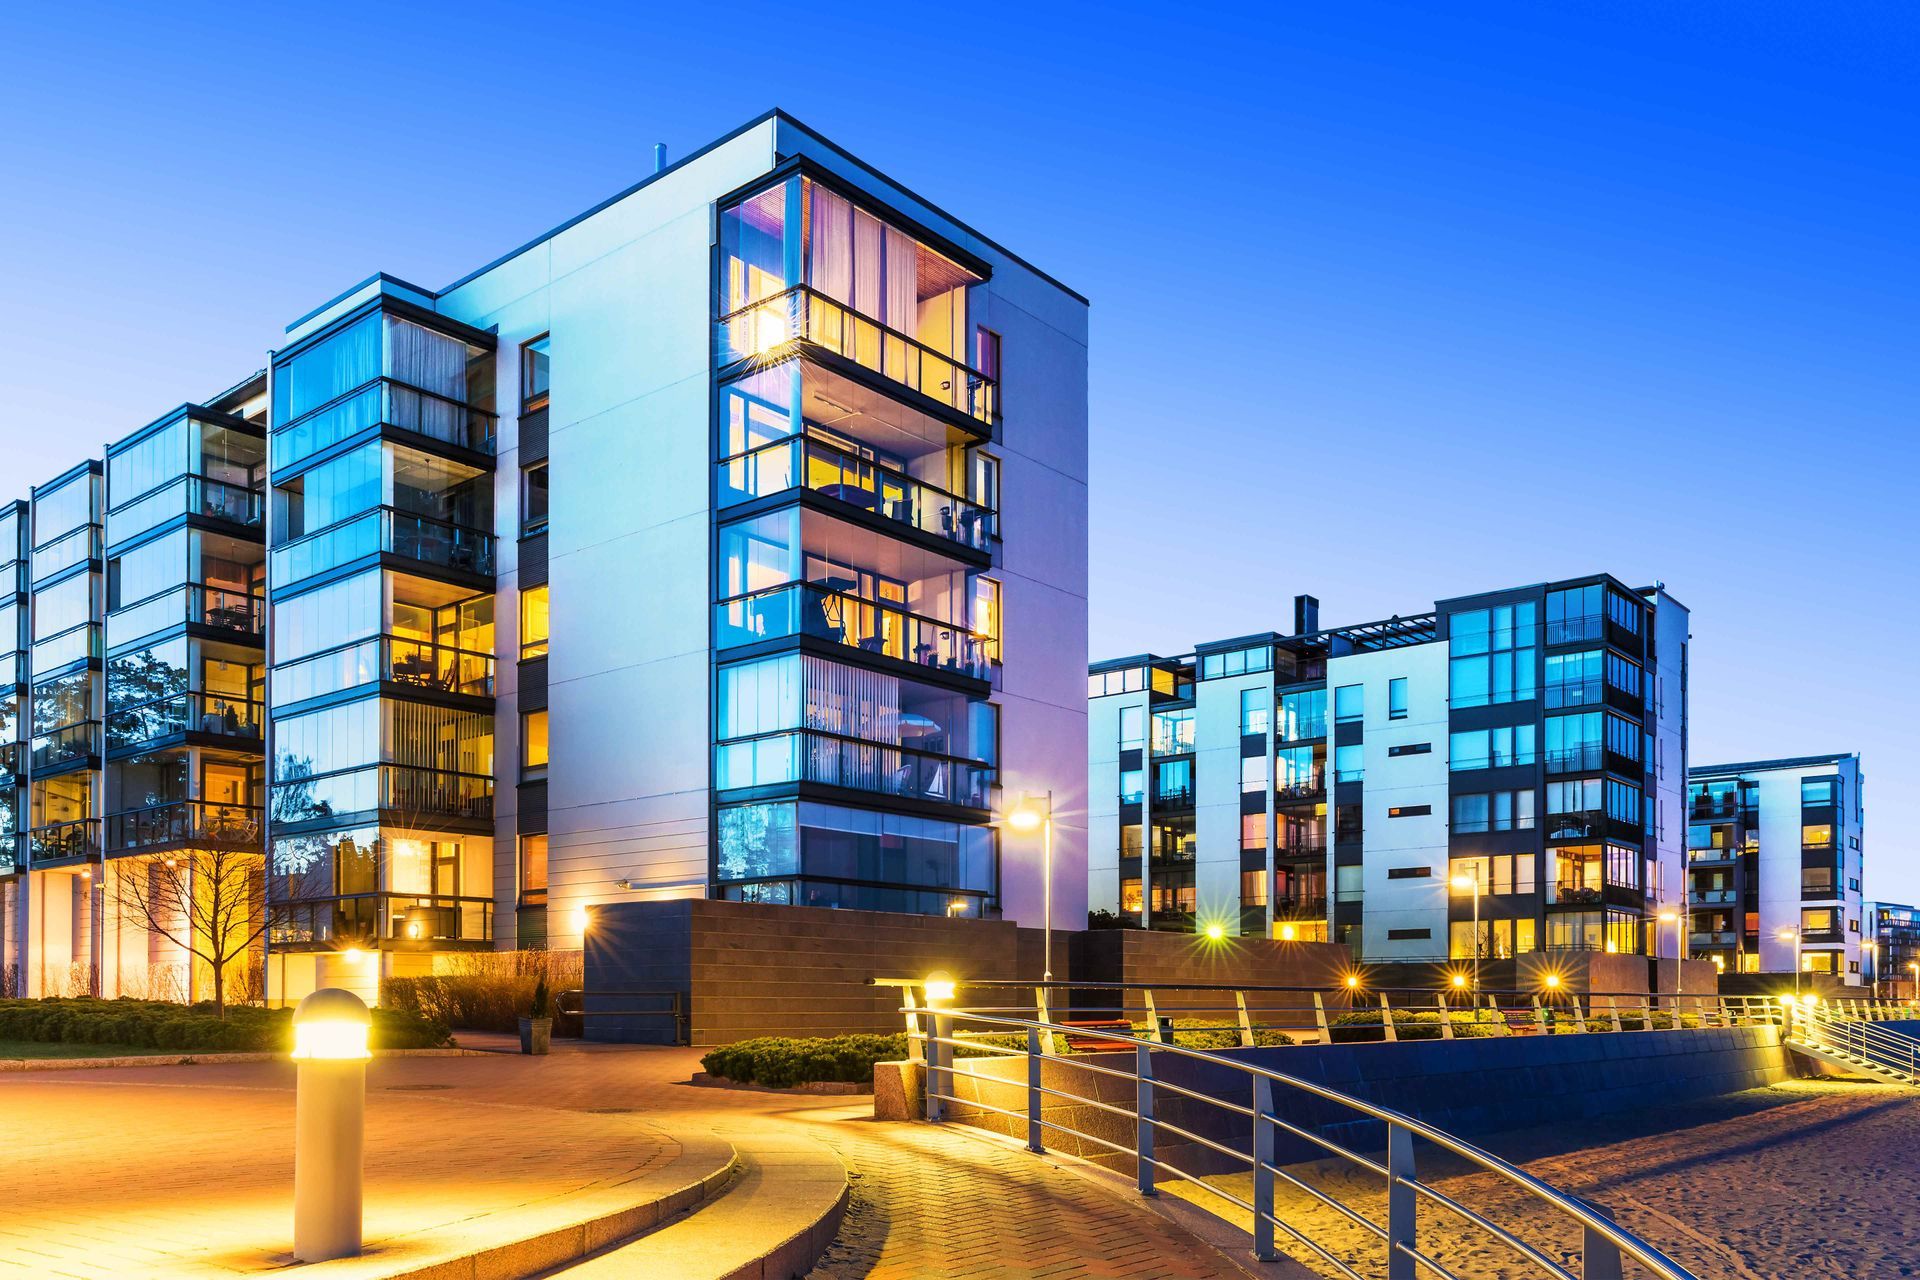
(1238, 663)
(1493, 811)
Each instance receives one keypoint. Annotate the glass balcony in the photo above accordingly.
(767, 330)
(184, 824)
(410, 793)
(236, 611)
(12, 670)
(1303, 787)
(1712, 855)
(79, 839)
(385, 402)
(1578, 892)
(1715, 897)
(1302, 728)
(73, 645)
(806, 755)
(9, 855)
(78, 547)
(188, 495)
(395, 658)
(390, 531)
(804, 609)
(806, 462)
(12, 755)
(64, 746)
(368, 917)
(216, 715)
(1712, 938)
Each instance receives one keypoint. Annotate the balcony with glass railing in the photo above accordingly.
(803, 319)
(436, 544)
(76, 644)
(386, 402)
(806, 462)
(1716, 897)
(65, 746)
(802, 609)
(63, 841)
(227, 718)
(184, 824)
(239, 613)
(191, 495)
(1713, 855)
(409, 793)
(1302, 786)
(78, 547)
(809, 755)
(366, 919)
(399, 660)
(10, 862)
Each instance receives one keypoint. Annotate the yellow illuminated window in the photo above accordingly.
(533, 622)
(533, 738)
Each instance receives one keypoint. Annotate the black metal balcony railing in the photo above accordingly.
(385, 402)
(1716, 897)
(218, 715)
(59, 840)
(418, 663)
(1712, 938)
(1576, 892)
(1712, 855)
(1305, 846)
(239, 612)
(804, 609)
(411, 792)
(1173, 798)
(194, 495)
(765, 329)
(64, 746)
(1303, 788)
(391, 531)
(1304, 729)
(184, 824)
(367, 918)
(809, 755)
(805, 462)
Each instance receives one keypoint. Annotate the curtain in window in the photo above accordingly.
(422, 358)
(902, 284)
(869, 234)
(830, 245)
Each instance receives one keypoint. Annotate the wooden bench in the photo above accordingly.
(1097, 1044)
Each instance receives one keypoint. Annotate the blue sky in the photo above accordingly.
(1391, 302)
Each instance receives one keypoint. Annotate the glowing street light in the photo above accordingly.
(330, 1123)
(939, 986)
(1025, 816)
(1670, 916)
(1216, 932)
(1462, 884)
(1793, 936)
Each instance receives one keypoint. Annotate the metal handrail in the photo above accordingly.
(676, 1007)
(1605, 1242)
(1888, 1050)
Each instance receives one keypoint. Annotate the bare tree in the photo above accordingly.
(207, 900)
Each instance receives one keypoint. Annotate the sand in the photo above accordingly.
(1806, 1180)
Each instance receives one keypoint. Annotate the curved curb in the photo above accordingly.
(190, 1059)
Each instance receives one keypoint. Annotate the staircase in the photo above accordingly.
(1854, 1047)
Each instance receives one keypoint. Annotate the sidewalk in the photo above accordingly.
(188, 1170)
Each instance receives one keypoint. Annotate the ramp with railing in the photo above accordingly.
(1852, 1043)
(1139, 1097)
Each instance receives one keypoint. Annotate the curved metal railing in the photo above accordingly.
(1889, 1051)
(933, 1029)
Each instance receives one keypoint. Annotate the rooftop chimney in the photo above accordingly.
(1306, 615)
(659, 156)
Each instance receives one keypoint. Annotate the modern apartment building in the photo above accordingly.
(1774, 865)
(1892, 943)
(727, 540)
(1330, 783)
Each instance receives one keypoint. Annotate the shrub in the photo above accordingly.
(485, 990)
(1416, 1024)
(1212, 1033)
(154, 1024)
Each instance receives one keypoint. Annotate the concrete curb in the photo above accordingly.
(198, 1059)
(814, 1088)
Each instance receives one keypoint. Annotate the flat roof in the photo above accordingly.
(1760, 766)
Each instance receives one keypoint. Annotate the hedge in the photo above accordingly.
(1411, 1024)
(489, 991)
(159, 1024)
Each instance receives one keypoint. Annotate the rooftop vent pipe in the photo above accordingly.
(659, 156)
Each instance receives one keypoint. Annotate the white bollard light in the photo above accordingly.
(330, 1120)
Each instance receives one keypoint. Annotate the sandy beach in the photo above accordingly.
(1807, 1180)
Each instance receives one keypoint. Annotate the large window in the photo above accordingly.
(534, 373)
(1350, 703)
(1573, 679)
(1573, 742)
(1349, 763)
(822, 842)
(534, 622)
(1573, 615)
(1493, 655)
(1173, 731)
(533, 744)
(1397, 698)
(533, 870)
(1255, 706)
(1133, 734)
(1491, 748)
(533, 498)
(1493, 811)
(1238, 663)
(1303, 715)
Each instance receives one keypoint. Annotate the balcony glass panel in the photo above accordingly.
(402, 790)
(811, 756)
(365, 918)
(182, 824)
(79, 839)
(429, 542)
(814, 463)
(72, 646)
(804, 609)
(75, 548)
(391, 404)
(212, 714)
(62, 510)
(189, 495)
(236, 611)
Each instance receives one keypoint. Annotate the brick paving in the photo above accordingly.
(188, 1170)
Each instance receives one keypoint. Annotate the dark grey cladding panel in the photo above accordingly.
(533, 437)
(533, 561)
(532, 816)
(533, 685)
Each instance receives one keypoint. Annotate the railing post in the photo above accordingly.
(1613, 1008)
(1246, 1022)
(1034, 1063)
(1320, 1017)
(1540, 1017)
(939, 1067)
(1046, 1015)
(1153, 1016)
(916, 1043)
(1446, 1018)
(1599, 1256)
(1263, 1163)
(1143, 1118)
(1403, 1203)
(1579, 1018)
(1386, 1021)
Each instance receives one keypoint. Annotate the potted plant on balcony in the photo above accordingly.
(536, 1030)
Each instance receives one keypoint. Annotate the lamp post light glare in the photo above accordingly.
(1216, 932)
(1464, 884)
(938, 986)
(1026, 816)
(1790, 935)
(330, 1123)
(1669, 916)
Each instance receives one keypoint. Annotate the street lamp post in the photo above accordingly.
(1914, 969)
(1025, 817)
(1461, 884)
(1873, 968)
(329, 1137)
(1793, 936)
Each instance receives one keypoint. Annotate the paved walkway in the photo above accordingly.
(188, 1170)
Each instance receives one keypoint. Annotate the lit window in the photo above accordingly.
(533, 744)
(533, 870)
(533, 622)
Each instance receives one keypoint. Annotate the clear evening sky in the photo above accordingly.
(1390, 302)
